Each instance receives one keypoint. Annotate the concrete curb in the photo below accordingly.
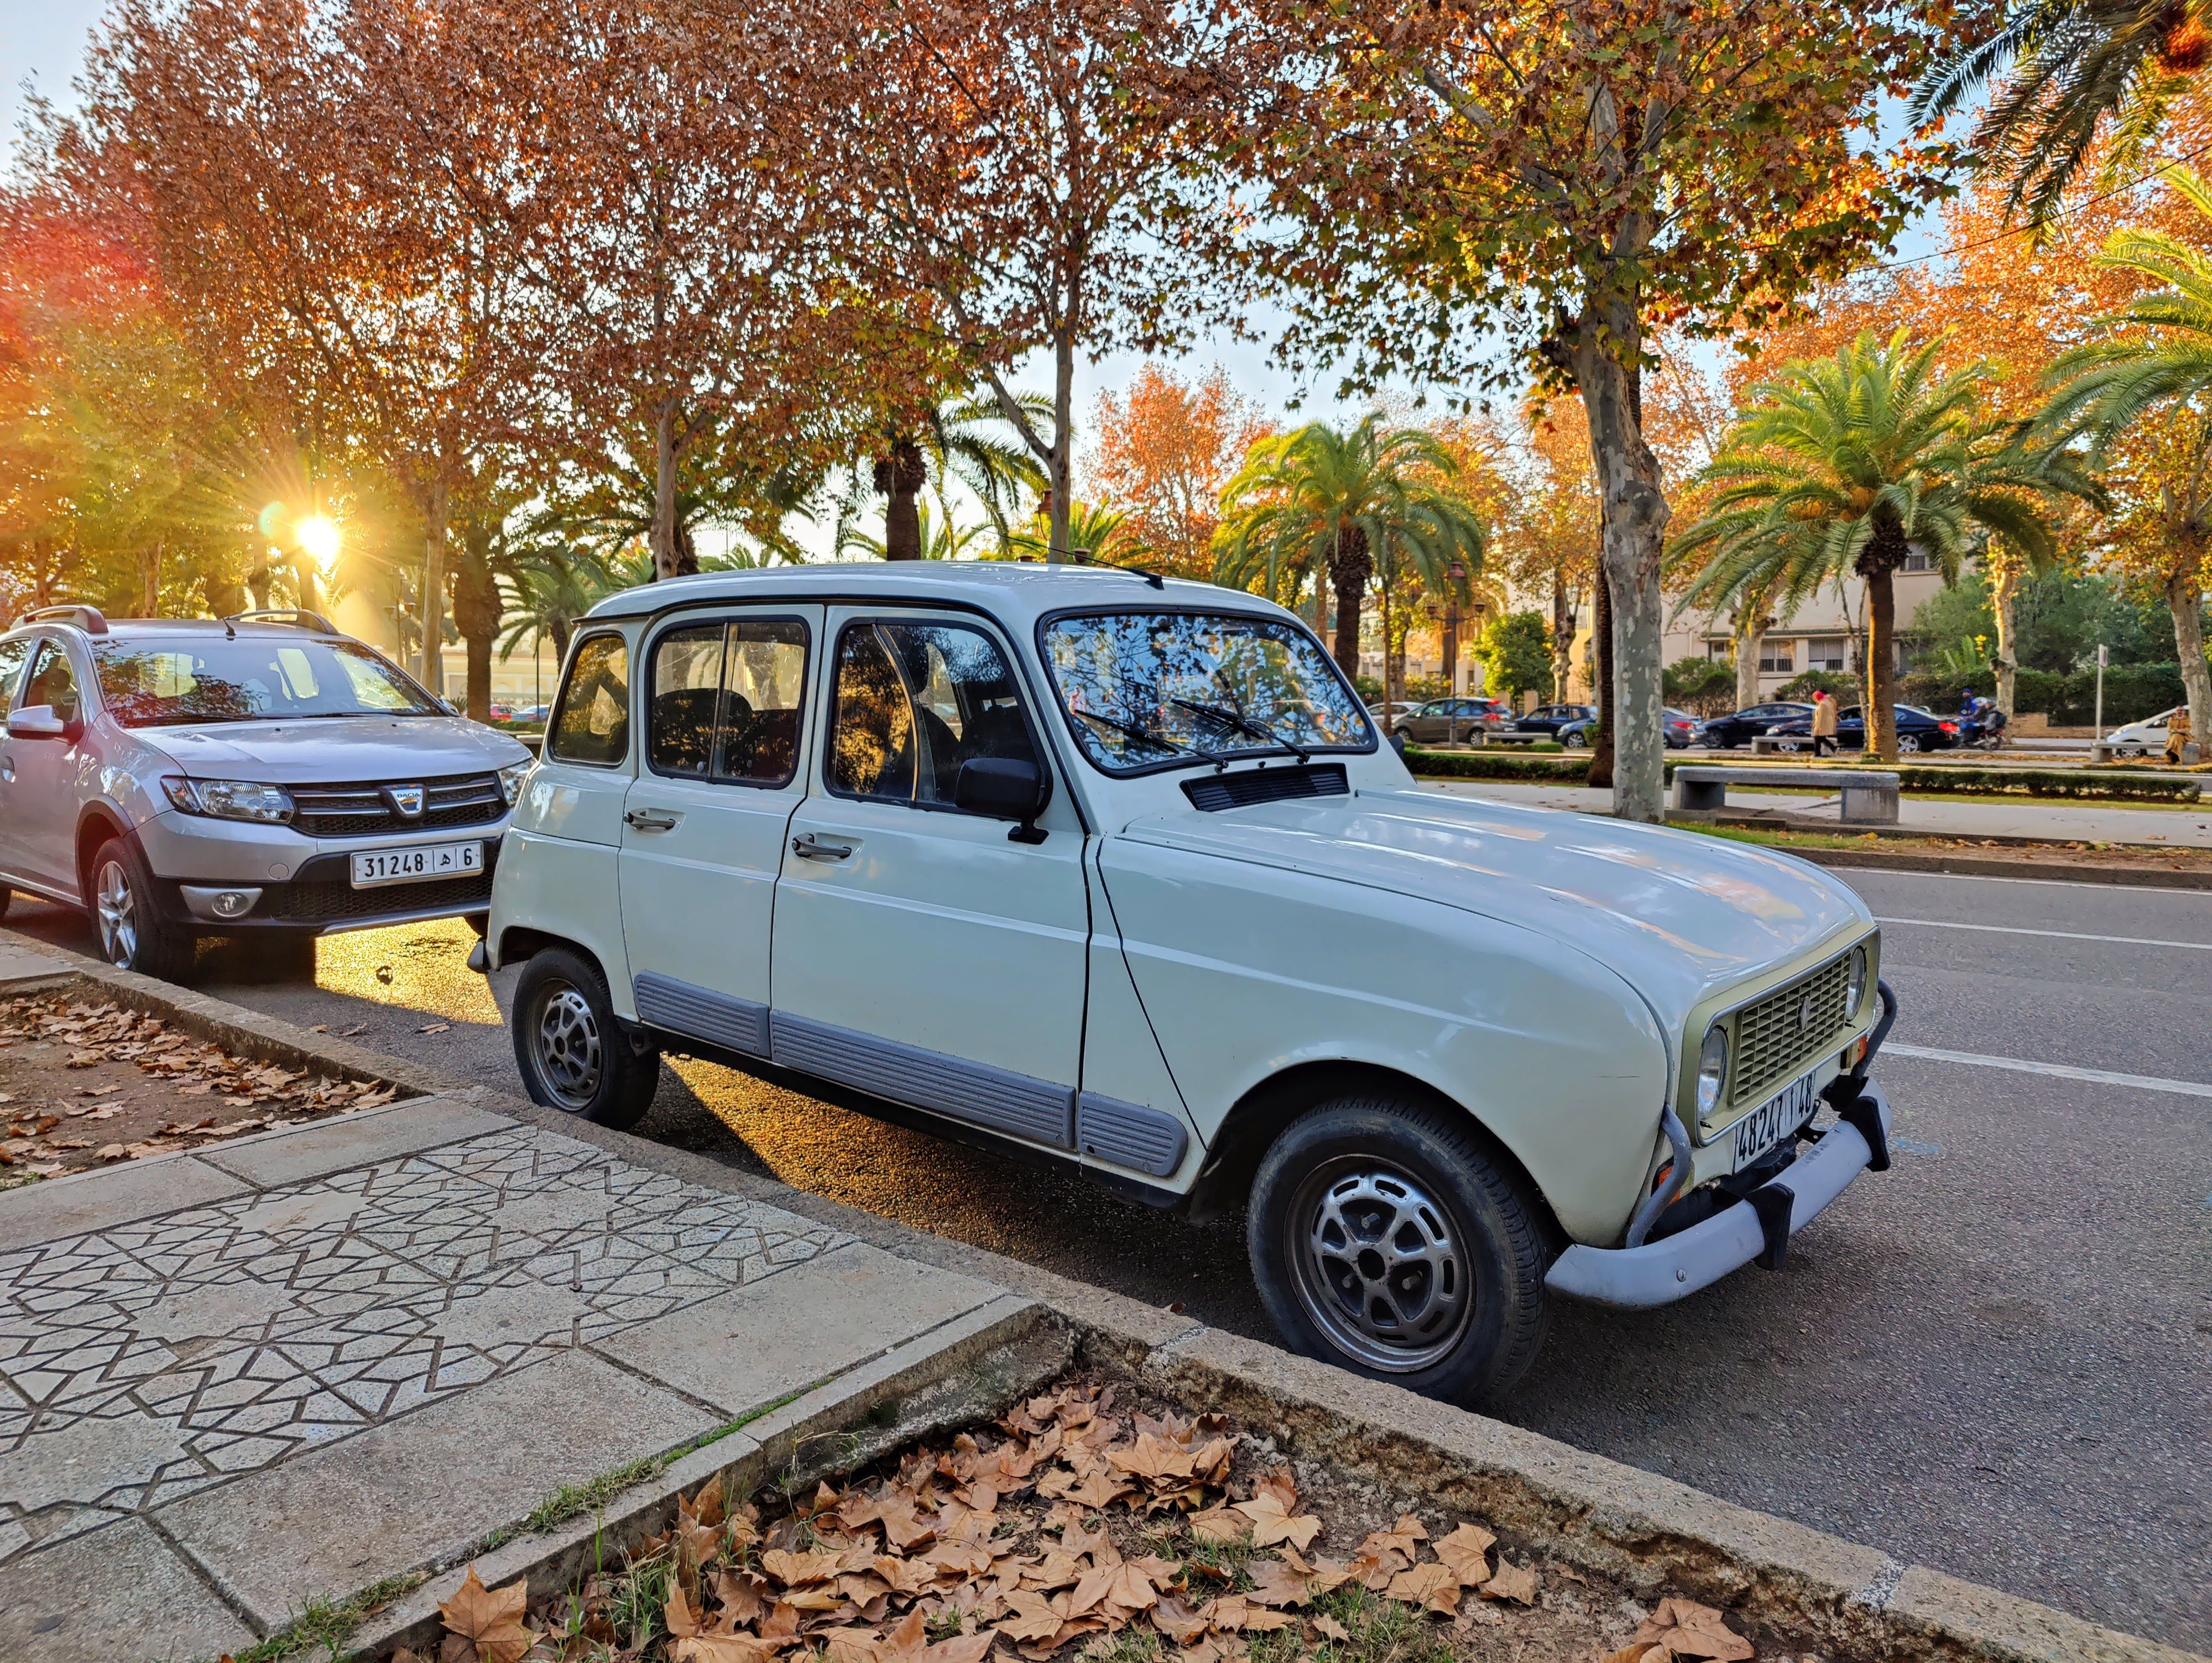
(1541, 1495)
(2050, 871)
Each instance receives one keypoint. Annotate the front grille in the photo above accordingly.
(354, 810)
(329, 903)
(1236, 790)
(1774, 1040)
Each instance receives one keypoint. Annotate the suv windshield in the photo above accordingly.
(209, 678)
(1143, 688)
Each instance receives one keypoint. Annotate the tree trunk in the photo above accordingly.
(2184, 599)
(1602, 682)
(225, 596)
(433, 607)
(1634, 517)
(1750, 633)
(149, 572)
(1348, 569)
(257, 585)
(667, 556)
(558, 627)
(476, 613)
(900, 476)
(303, 579)
(2004, 596)
(1879, 711)
(1562, 638)
(1389, 695)
(1059, 465)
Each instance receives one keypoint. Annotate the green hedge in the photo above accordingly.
(2097, 783)
(2132, 691)
(1496, 765)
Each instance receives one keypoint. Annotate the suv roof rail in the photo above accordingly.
(294, 615)
(87, 618)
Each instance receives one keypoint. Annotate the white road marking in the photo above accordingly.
(2048, 883)
(2057, 1070)
(2055, 935)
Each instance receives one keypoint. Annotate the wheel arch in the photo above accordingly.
(520, 942)
(97, 825)
(1260, 1115)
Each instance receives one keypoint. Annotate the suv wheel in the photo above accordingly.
(575, 1055)
(133, 934)
(1385, 1240)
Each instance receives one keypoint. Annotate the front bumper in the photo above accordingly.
(1663, 1272)
(320, 898)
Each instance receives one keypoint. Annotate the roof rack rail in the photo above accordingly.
(89, 619)
(296, 615)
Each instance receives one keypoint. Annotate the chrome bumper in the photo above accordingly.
(1663, 1272)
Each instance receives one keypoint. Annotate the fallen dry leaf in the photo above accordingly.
(1515, 1582)
(1431, 1586)
(1466, 1551)
(1330, 1628)
(1685, 1629)
(491, 1619)
(1271, 1525)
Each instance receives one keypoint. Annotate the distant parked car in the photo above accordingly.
(1681, 728)
(256, 775)
(1740, 727)
(1917, 730)
(1442, 720)
(2143, 738)
(532, 713)
(1570, 724)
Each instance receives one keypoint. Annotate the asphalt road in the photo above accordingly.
(1995, 1359)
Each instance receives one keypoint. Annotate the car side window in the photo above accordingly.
(13, 656)
(592, 724)
(53, 682)
(913, 702)
(725, 701)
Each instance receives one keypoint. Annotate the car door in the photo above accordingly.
(921, 953)
(40, 774)
(14, 658)
(1426, 724)
(704, 822)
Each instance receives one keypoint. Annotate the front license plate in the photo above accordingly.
(1774, 1120)
(411, 865)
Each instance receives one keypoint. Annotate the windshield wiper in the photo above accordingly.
(1144, 737)
(1244, 724)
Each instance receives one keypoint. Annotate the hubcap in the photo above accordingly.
(567, 1041)
(116, 911)
(1380, 1266)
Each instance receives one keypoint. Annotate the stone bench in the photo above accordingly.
(1870, 798)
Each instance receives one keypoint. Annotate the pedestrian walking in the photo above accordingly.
(1824, 724)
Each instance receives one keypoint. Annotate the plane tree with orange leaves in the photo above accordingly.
(1161, 452)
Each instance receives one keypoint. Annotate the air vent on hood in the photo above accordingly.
(1237, 791)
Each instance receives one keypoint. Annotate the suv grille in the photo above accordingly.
(1773, 1040)
(325, 904)
(461, 799)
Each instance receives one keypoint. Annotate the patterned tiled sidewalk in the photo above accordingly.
(288, 1367)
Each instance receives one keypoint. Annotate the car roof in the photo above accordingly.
(1013, 590)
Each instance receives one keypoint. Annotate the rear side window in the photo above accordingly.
(592, 725)
(725, 701)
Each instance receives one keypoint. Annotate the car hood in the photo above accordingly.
(337, 748)
(1681, 916)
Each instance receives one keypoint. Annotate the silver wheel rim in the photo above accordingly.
(116, 909)
(1908, 746)
(565, 1041)
(1381, 1268)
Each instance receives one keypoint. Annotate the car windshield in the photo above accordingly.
(1143, 688)
(212, 678)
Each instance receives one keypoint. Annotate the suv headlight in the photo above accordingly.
(1855, 984)
(1712, 1071)
(231, 799)
(510, 781)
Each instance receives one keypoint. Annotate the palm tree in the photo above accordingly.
(2154, 358)
(937, 538)
(2075, 66)
(1318, 503)
(550, 584)
(1846, 465)
(1103, 535)
(960, 442)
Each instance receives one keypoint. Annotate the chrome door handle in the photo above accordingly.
(7, 770)
(649, 820)
(808, 846)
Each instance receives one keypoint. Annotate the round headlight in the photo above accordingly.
(1855, 988)
(1712, 1071)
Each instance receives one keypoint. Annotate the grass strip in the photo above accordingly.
(325, 1625)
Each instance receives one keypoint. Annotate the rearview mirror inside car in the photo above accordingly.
(1006, 788)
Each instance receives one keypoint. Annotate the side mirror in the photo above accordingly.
(1006, 788)
(37, 722)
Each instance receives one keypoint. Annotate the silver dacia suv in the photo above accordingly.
(261, 775)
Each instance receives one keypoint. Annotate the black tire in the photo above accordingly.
(7, 896)
(573, 1053)
(1479, 1315)
(127, 920)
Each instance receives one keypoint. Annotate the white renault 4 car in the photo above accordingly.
(259, 775)
(1115, 874)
